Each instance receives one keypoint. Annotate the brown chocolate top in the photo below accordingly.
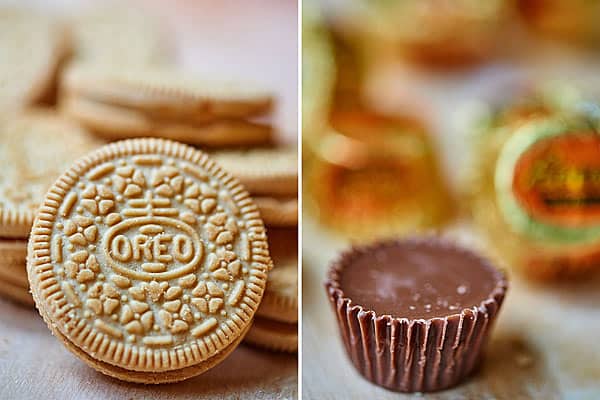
(417, 280)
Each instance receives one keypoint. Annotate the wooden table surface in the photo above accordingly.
(544, 345)
(35, 365)
(252, 40)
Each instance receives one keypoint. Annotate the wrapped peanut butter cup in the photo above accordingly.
(414, 315)
(428, 32)
(535, 188)
(376, 175)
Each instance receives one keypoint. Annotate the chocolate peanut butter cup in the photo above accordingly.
(414, 314)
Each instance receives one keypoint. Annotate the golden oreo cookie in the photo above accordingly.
(35, 147)
(280, 302)
(276, 211)
(167, 92)
(263, 171)
(31, 47)
(112, 123)
(148, 260)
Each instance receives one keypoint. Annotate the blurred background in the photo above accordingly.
(407, 107)
(254, 42)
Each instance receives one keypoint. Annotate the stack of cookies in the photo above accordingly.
(143, 244)
(35, 48)
(33, 154)
(37, 144)
(276, 323)
(130, 101)
(271, 177)
(162, 102)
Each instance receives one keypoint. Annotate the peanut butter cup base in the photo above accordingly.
(406, 351)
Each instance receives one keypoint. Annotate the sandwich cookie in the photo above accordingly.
(28, 170)
(275, 326)
(148, 261)
(278, 211)
(273, 335)
(164, 102)
(35, 147)
(167, 92)
(112, 123)
(280, 302)
(263, 171)
(271, 176)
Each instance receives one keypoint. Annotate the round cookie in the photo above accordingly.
(31, 47)
(277, 211)
(273, 335)
(111, 122)
(263, 171)
(148, 260)
(35, 147)
(280, 301)
(167, 92)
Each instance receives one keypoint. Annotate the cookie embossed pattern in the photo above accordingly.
(148, 260)
(30, 168)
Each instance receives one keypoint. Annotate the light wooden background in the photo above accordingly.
(253, 40)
